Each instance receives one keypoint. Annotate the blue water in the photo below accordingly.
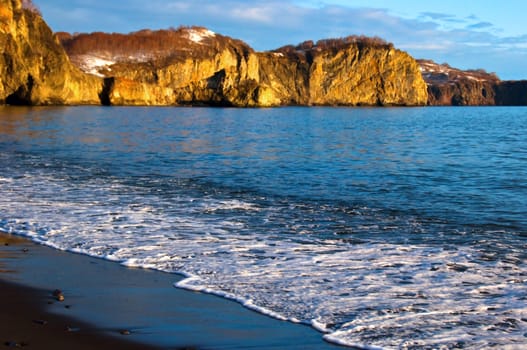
(386, 227)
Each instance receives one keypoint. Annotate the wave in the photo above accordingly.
(365, 277)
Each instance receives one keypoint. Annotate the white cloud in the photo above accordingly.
(426, 46)
(258, 14)
(267, 25)
(178, 6)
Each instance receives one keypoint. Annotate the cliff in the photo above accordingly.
(364, 73)
(448, 86)
(194, 66)
(198, 67)
(34, 68)
(511, 93)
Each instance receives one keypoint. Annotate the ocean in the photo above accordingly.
(393, 228)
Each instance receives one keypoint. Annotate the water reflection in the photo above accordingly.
(442, 162)
(26, 122)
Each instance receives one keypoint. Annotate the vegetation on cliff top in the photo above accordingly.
(307, 50)
(30, 6)
(336, 44)
(167, 45)
(435, 73)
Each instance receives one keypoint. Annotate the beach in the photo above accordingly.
(109, 306)
(361, 227)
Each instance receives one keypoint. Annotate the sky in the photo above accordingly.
(467, 34)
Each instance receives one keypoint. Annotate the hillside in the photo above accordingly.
(193, 65)
(451, 86)
(96, 52)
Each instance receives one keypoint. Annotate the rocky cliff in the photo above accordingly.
(194, 66)
(511, 93)
(448, 86)
(34, 68)
(202, 67)
(360, 73)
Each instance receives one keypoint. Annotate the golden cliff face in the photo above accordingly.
(366, 76)
(194, 67)
(239, 77)
(229, 76)
(34, 69)
(284, 79)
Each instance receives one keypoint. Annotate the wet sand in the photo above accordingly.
(25, 318)
(108, 306)
(25, 323)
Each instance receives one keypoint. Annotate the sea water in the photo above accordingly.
(381, 227)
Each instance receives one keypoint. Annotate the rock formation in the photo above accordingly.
(449, 86)
(511, 93)
(359, 73)
(205, 68)
(34, 68)
(194, 66)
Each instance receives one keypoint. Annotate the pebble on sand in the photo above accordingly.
(40, 322)
(57, 293)
(14, 344)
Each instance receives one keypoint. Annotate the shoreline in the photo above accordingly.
(26, 320)
(110, 306)
(26, 323)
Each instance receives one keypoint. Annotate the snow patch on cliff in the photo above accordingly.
(93, 64)
(197, 35)
(442, 73)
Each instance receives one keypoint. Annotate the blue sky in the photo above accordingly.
(486, 34)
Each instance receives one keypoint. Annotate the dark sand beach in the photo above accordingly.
(108, 306)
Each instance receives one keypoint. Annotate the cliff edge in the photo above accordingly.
(34, 68)
(194, 66)
(356, 71)
(448, 86)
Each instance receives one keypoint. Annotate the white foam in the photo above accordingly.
(336, 338)
(375, 295)
(233, 204)
(190, 284)
(320, 326)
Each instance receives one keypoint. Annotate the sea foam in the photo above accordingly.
(359, 253)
